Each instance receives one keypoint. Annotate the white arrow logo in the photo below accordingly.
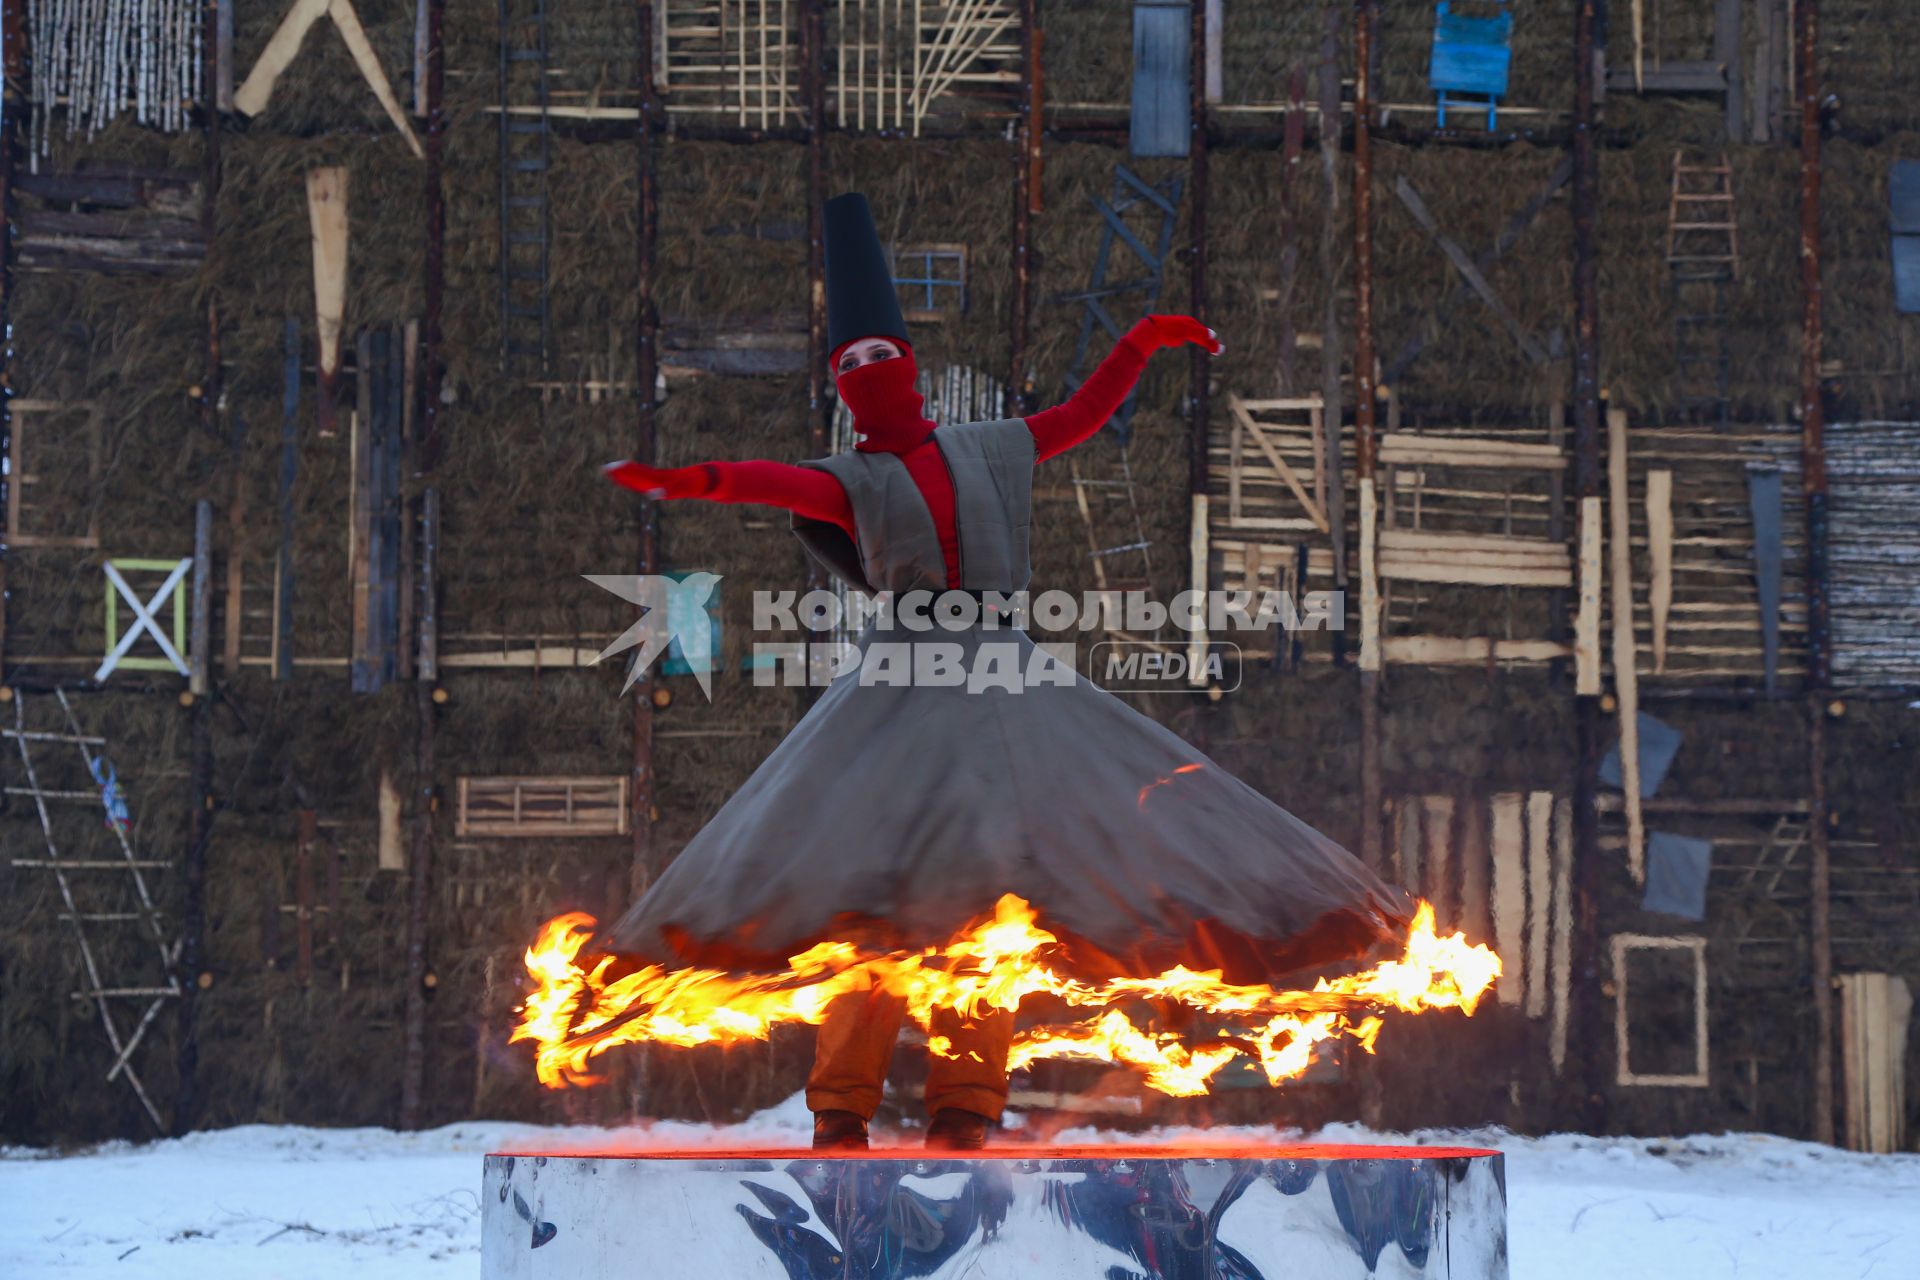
(671, 609)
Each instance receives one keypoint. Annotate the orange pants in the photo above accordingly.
(855, 1044)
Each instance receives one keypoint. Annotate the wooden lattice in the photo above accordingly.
(507, 806)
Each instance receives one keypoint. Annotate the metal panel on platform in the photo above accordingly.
(1251, 1213)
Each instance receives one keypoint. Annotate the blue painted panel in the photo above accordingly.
(1161, 65)
(1906, 275)
(1906, 197)
(1471, 55)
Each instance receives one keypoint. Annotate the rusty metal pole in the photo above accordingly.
(413, 1063)
(1589, 1026)
(1813, 472)
(1198, 372)
(1026, 201)
(640, 870)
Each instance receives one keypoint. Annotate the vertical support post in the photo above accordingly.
(1331, 390)
(427, 447)
(1199, 374)
(303, 905)
(1026, 201)
(1364, 419)
(813, 92)
(1813, 471)
(200, 614)
(432, 340)
(640, 869)
(1588, 1014)
(13, 110)
(193, 910)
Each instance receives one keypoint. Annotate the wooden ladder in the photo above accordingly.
(1703, 262)
(101, 894)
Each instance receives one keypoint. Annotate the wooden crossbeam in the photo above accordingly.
(252, 96)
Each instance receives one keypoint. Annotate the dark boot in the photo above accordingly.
(956, 1130)
(839, 1131)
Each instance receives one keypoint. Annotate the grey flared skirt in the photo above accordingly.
(897, 813)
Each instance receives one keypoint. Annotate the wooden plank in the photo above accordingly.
(1441, 651)
(1451, 543)
(1403, 449)
(1539, 895)
(1560, 935)
(1508, 844)
(392, 847)
(1406, 843)
(1626, 683)
(1468, 271)
(283, 576)
(1586, 623)
(538, 807)
(427, 659)
(327, 216)
(348, 23)
(1197, 575)
(200, 639)
(1369, 578)
(1252, 429)
(1436, 843)
(360, 538)
(1473, 856)
(252, 95)
(1660, 559)
(1412, 569)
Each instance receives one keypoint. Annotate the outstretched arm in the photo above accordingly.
(803, 491)
(1058, 429)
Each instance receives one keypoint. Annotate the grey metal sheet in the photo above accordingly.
(1242, 1213)
(1162, 103)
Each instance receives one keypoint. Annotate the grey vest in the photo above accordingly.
(898, 548)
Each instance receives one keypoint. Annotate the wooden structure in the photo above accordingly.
(1625, 946)
(1267, 527)
(1703, 265)
(1499, 866)
(1875, 1010)
(891, 65)
(1463, 510)
(1472, 58)
(522, 807)
(54, 468)
(103, 894)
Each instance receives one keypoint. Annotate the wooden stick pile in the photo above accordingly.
(100, 58)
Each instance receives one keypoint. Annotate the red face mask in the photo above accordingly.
(886, 409)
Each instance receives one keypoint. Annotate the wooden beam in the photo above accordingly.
(251, 97)
(200, 639)
(1369, 578)
(1507, 839)
(1626, 681)
(327, 216)
(1468, 651)
(392, 855)
(1539, 896)
(1197, 554)
(1660, 560)
(1586, 623)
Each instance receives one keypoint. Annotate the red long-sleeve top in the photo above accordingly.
(818, 496)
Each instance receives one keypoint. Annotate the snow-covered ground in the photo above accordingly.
(276, 1203)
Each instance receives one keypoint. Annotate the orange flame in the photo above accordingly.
(575, 1014)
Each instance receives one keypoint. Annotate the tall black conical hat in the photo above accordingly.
(861, 302)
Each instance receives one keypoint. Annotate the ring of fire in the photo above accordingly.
(576, 1012)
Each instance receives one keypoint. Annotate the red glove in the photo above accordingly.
(663, 482)
(1154, 332)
